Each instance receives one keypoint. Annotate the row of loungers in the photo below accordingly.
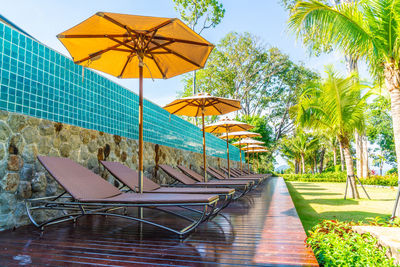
(86, 193)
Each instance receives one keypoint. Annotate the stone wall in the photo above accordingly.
(22, 138)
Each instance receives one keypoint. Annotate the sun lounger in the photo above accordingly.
(222, 176)
(236, 174)
(240, 186)
(130, 179)
(86, 193)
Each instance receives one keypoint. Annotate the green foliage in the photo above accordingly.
(265, 80)
(329, 177)
(207, 13)
(392, 171)
(380, 127)
(336, 244)
(385, 180)
(340, 177)
(335, 105)
(364, 29)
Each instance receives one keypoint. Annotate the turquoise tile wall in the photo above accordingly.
(37, 81)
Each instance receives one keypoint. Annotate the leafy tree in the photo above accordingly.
(200, 15)
(380, 127)
(265, 81)
(367, 29)
(334, 105)
(378, 161)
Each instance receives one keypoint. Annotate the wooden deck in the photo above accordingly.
(261, 229)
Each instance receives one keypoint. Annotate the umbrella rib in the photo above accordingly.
(101, 14)
(228, 104)
(122, 50)
(161, 25)
(91, 35)
(177, 40)
(178, 55)
(122, 43)
(188, 103)
(95, 54)
(220, 112)
(148, 42)
(159, 46)
(158, 66)
(126, 64)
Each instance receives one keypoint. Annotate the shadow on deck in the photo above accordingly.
(260, 229)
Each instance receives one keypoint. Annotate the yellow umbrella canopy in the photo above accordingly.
(239, 135)
(257, 151)
(116, 44)
(130, 46)
(248, 141)
(203, 104)
(253, 147)
(227, 125)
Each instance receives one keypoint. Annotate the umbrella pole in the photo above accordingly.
(248, 158)
(240, 151)
(258, 162)
(227, 152)
(140, 133)
(204, 147)
(254, 164)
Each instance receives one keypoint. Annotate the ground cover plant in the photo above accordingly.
(340, 177)
(336, 244)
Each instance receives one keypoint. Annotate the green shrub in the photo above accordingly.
(336, 244)
(340, 177)
(333, 177)
(386, 180)
(392, 171)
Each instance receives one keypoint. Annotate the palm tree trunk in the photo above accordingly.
(364, 142)
(341, 157)
(303, 164)
(392, 81)
(344, 141)
(359, 153)
(321, 162)
(334, 156)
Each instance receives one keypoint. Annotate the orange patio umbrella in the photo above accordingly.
(254, 152)
(226, 126)
(130, 46)
(203, 104)
(240, 135)
(250, 142)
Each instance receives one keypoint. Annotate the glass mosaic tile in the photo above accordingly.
(38, 81)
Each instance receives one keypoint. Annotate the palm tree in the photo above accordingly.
(367, 29)
(299, 147)
(336, 106)
(289, 152)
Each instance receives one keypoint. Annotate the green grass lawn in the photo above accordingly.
(319, 201)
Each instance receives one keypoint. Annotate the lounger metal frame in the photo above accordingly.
(79, 209)
(246, 189)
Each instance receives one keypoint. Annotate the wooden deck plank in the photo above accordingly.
(261, 229)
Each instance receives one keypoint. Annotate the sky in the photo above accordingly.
(44, 19)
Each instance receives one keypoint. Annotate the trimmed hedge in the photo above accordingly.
(335, 244)
(330, 177)
(340, 177)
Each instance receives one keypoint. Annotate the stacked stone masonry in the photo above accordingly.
(22, 138)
